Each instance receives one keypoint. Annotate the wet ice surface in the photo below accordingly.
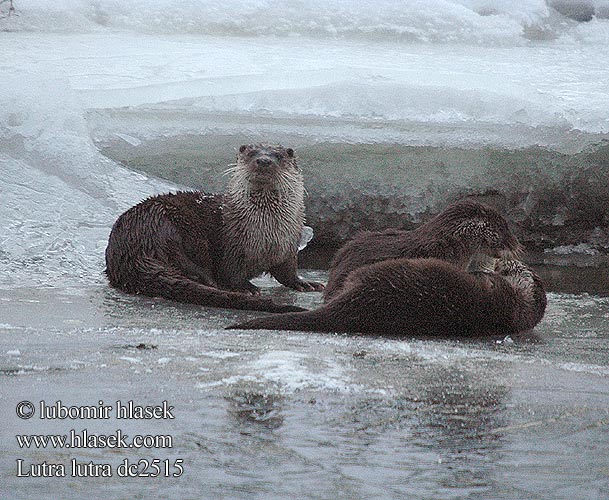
(270, 414)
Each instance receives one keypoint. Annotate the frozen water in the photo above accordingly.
(305, 237)
(286, 415)
(91, 73)
(352, 74)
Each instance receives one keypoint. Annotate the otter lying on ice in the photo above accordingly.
(455, 235)
(203, 249)
(424, 297)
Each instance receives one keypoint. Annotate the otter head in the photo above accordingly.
(266, 167)
(516, 273)
(529, 286)
(483, 229)
(266, 177)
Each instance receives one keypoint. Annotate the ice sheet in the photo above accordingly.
(339, 89)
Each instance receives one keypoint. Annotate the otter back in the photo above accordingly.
(425, 297)
(455, 235)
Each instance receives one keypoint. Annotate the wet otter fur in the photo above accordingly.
(427, 297)
(456, 235)
(203, 249)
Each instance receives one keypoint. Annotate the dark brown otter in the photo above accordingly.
(456, 235)
(199, 248)
(425, 297)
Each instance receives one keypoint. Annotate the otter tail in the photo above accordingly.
(161, 281)
(307, 321)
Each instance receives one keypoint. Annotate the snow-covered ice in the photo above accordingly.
(452, 74)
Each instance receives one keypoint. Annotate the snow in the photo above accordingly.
(456, 20)
(77, 74)
(582, 248)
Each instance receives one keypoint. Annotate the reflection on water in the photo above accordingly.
(457, 414)
(256, 408)
(433, 432)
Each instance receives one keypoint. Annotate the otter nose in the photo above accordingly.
(263, 162)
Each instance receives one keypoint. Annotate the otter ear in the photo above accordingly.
(290, 152)
(242, 148)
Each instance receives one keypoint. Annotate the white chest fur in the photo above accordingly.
(264, 228)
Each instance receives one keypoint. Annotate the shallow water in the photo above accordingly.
(271, 414)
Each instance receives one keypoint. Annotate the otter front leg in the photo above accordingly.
(286, 274)
(233, 276)
(238, 284)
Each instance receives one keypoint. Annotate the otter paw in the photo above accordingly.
(308, 286)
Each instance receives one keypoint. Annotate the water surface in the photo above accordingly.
(267, 414)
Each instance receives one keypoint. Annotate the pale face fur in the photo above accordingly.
(517, 274)
(264, 208)
(489, 237)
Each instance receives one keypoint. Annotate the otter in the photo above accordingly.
(203, 248)
(458, 234)
(427, 297)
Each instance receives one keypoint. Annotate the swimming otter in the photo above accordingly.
(456, 235)
(425, 297)
(203, 249)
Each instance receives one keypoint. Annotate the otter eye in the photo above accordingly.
(242, 148)
(290, 152)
